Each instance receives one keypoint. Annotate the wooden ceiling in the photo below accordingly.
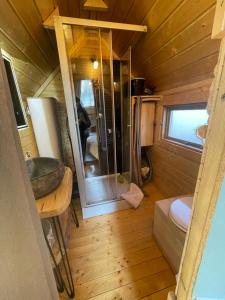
(176, 50)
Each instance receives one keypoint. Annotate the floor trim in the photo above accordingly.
(106, 208)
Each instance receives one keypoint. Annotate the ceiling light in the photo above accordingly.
(95, 64)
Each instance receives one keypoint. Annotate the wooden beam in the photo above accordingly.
(47, 81)
(102, 24)
(210, 178)
(49, 23)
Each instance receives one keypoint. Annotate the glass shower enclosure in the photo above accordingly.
(97, 93)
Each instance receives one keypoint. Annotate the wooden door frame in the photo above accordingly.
(209, 182)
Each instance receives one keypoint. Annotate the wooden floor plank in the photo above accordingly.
(161, 295)
(119, 227)
(109, 265)
(101, 224)
(113, 250)
(120, 278)
(115, 256)
(104, 236)
(103, 248)
(141, 288)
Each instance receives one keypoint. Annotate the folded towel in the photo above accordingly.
(134, 196)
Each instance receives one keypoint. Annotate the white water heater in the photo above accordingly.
(43, 113)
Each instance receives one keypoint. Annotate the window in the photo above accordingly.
(15, 94)
(86, 94)
(181, 122)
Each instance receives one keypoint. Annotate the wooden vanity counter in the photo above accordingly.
(56, 203)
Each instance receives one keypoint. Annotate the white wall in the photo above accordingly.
(210, 280)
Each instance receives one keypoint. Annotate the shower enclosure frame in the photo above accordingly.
(69, 92)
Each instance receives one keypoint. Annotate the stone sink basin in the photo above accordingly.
(45, 174)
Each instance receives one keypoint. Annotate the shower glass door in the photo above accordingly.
(87, 63)
(89, 55)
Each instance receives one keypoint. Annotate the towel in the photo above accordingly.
(134, 196)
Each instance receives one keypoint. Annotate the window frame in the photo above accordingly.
(166, 122)
(7, 57)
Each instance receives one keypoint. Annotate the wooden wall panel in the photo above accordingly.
(195, 32)
(32, 51)
(54, 88)
(153, 18)
(32, 21)
(106, 15)
(28, 141)
(134, 16)
(177, 21)
(27, 69)
(198, 71)
(195, 53)
(175, 168)
(173, 174)
(74, 8)
(181, 42)
(13, 28)
(118, 11)
(45, 7)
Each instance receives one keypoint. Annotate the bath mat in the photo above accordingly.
(134, 196)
